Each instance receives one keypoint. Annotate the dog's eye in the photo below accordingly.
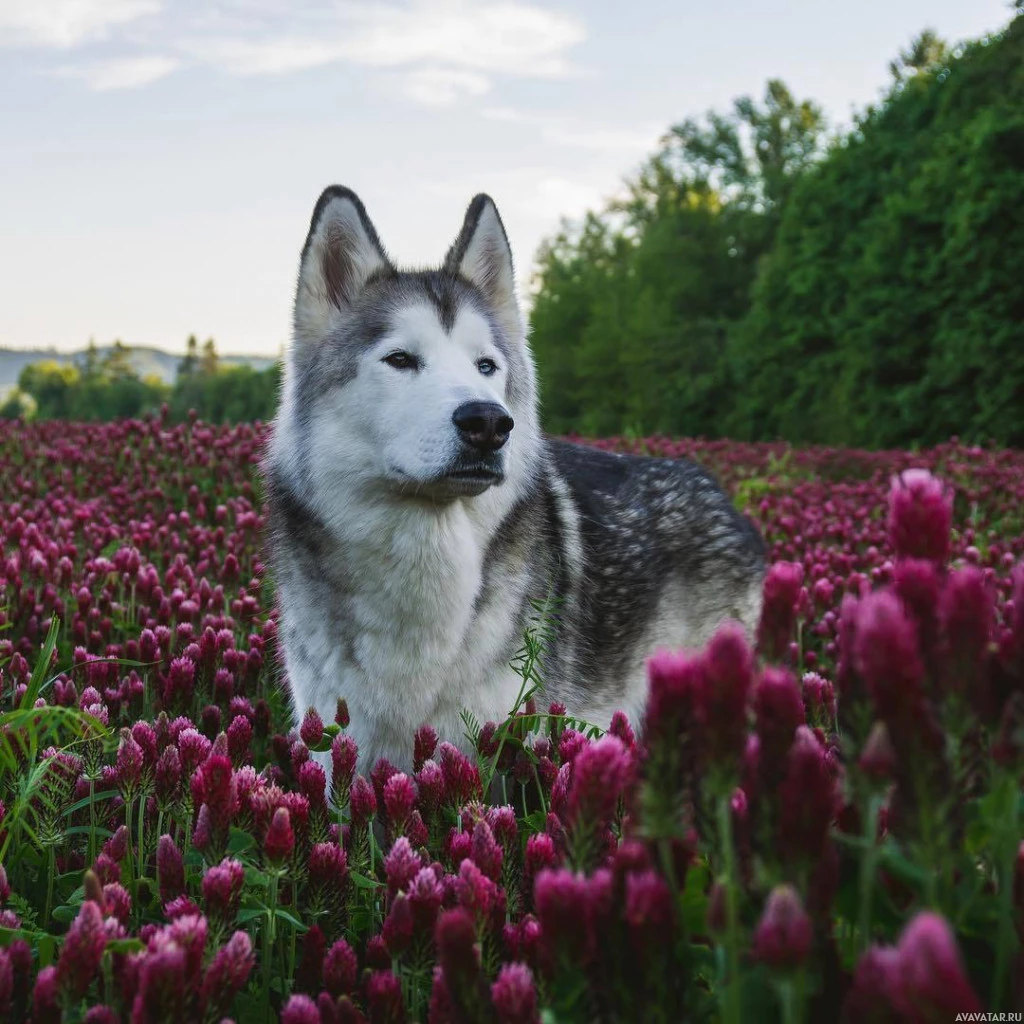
(487, 366)
(402, 361)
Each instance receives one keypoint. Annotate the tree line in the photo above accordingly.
(107, 386)
(764, 278)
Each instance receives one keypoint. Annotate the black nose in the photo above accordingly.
(483, 425)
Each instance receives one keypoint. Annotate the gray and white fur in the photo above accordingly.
(416, 508)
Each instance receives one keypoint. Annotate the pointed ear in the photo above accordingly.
(342, 252)
(481, 253)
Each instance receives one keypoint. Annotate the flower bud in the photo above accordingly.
(783, 936)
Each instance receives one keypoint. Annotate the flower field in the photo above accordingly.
(826, 826)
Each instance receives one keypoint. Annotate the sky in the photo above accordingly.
(160, 159)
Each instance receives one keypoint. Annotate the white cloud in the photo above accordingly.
(126, 73)
(67, 23)
(434, 52)
(496, 36)
(634, 141)
(555, 197)
(533, 199)
(452, 47)
(609, 140)
(439, 87)
(262, 56)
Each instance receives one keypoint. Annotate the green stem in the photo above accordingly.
(791, 995)
(108, 977)
(186, 822)
(1009, 846)
(92, 821)
(732, 1009)
(128, 829)
(51, 858)
(540, 791)
(868, 861)
(933, 856)
(268, 940)
(142, 826)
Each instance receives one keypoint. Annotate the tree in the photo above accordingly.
(190, 362)
(752, 156)
(634, 307)
(117, 364)
(210, 361)
(14, 406)
(758, 282)
(890, 311)
(51, 385)
(89, 366)
(927, 53)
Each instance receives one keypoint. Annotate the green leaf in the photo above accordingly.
(362, 882)
(47, 949)
(251, 914)
(42, 666)
(535, 821)
(239, 841)
(695, 899)
(702, 959)
(107, 794)
(125, 946)
(257, 878)
(900, 868)
(88, 830)
(293, 921)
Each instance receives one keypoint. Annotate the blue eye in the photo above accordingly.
(487, 366)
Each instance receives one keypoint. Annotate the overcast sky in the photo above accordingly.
(159, 159)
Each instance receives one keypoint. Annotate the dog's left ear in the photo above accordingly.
(481, 254)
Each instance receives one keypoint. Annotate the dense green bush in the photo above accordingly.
(759, 284)
(891, 309)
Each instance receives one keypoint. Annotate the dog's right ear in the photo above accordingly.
(342, 252)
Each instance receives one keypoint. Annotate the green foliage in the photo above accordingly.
(15, 406)
(757, 283)
(890, 309)
(107, 388)
(97, 390)
(634, 308)
(34, 792)
(226, 394)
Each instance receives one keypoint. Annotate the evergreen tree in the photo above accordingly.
(190, 362)
(210, 361)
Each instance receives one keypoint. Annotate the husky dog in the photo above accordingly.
(416, 511)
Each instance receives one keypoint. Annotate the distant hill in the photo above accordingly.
(145, 360)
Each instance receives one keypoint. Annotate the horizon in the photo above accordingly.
(163, 161)
(80, 350)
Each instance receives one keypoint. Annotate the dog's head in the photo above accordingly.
(414, 383)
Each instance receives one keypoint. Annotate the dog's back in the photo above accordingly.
(650, 552)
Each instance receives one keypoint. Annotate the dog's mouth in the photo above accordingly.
(462, 480)
(479, 473)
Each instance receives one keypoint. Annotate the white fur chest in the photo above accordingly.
(411, 648)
